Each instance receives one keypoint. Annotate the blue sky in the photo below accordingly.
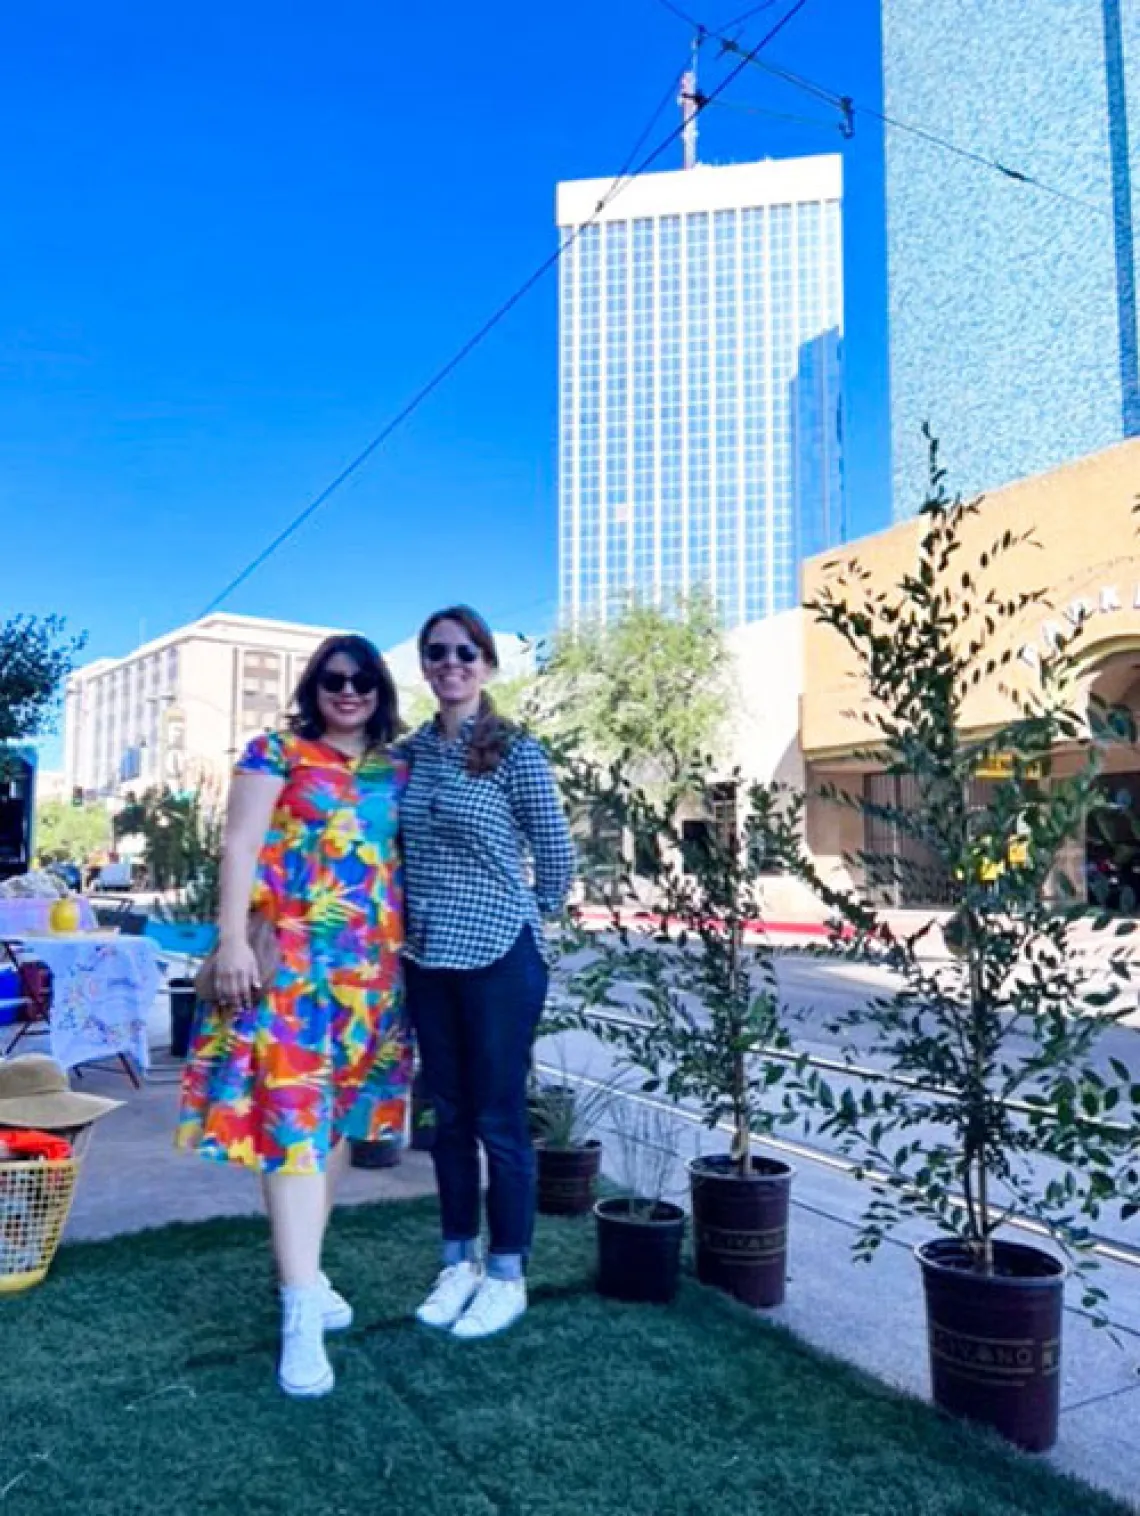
(238, 237)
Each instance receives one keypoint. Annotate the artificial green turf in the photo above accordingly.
(138, 1381)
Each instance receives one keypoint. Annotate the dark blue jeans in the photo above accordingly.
(475, 1029)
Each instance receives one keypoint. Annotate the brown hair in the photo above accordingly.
(491, 735)
(384, 725)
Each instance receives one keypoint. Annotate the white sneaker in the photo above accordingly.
(498, 1304)
(304, 1369)
(450, 1295)
(336, 1313)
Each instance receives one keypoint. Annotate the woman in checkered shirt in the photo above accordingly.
(487, 854)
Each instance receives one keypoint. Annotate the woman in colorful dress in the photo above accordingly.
(487, 854)
(280, 1075)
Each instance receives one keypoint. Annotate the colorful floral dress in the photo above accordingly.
(324, 1054)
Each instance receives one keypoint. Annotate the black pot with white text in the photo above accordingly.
(995, 1339)
(740, 1226)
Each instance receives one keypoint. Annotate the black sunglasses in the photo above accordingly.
(363, 683)
(436, 652)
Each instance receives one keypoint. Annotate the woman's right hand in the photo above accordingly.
(237, 976)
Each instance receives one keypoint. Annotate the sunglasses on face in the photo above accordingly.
(362, 683)
(436, 652)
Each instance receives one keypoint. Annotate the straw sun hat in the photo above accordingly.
(34, 1092)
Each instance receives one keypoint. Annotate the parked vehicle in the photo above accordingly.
(116, 877)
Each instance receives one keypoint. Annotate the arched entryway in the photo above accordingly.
(1112, 836)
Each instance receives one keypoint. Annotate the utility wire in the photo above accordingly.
(626, 176)
(743, 20)
(847, 108)
(763, 110)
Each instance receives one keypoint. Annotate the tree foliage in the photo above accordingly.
(36, 655)
(697, 972)
(182, 834)
(70, 834)
(652, 688)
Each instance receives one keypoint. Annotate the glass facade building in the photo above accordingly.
(1013, 326)
(700, 323)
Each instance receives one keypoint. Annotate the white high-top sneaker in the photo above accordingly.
(304, 1369)
(450, 1295)
(497, 1305)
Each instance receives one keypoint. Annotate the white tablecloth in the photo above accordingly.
(18, 916)
(103, 989)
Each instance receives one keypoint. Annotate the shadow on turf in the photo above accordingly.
(548, 1293)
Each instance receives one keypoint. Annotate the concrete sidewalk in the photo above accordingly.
(133, 1177)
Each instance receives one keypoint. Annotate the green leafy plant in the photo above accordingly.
(688, 981)
(69, 833)
(1000, 1106)
(182, 833)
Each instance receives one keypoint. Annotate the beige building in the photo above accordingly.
(177, 709)
(1081, 556)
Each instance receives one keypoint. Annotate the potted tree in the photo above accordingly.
(1000, 1111)
(707, 1023)
(640, 1231)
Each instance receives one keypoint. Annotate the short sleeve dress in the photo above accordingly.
(325, 1054)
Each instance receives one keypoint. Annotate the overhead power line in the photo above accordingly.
(848, 110)
(628, 173)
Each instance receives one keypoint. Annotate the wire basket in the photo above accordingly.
(35, 1197)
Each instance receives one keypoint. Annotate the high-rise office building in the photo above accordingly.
(1012, 307)
(701, 324)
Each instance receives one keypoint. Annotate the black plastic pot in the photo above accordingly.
(740, 1225)
(995, 1340)
(183, 1004)
(567, 1179)
(639, 1250)
(374, 1155)
(423, 1116)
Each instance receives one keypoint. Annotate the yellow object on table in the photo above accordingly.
(64, 916)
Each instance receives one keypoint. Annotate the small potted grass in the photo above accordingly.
(640, 1232)
(565, 1117)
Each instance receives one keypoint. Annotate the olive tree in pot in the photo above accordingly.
(640, 1230)
(693, 980)
(1005, 1107)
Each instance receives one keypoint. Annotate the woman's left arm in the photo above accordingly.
(538, 810)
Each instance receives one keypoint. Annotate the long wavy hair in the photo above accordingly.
(384, 725)
(491, 735)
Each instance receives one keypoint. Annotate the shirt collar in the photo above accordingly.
(463, 735)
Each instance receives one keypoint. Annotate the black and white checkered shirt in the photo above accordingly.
(484, 855)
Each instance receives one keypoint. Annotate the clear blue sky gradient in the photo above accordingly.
(238, 237)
